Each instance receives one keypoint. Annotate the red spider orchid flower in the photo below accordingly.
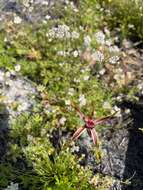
(89, 125)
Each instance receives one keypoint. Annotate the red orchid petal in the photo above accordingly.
(78, 132)
(82, 116)
(93, 135)
(89, 132)
(102, 119)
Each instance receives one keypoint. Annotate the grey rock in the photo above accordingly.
(17, 93)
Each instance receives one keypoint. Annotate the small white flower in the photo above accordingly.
(7, 74)
(82, 100)
(62, 64)
(12, 186)
(100, 37)
(98, 56)
(116, 109)
(5, 39)
(87, 40)
(44, 2)
(17, 20)
(81, 28)
(44, 21)
(67, 2)
(107, 31)
(61, 53)
(106, 105)
(62, 120)
(75, 10)
(83, 70)
(140, 86)
(130, 25)
(75, 53)
(119, 98)
(86, 78)
(22, 107)
(71, 91)
(67, 102)
(76, 80)
(30, 138)
(31, 9)
(17, 68)
(47, 17)
(1, 76)
(75, 149)
(102, 71)
(75, 35)
(26, 3)
(127, 111)
(108, 42)
(114, 59)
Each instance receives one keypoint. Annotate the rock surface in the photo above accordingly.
(122, 150)
(17, 93)
(31, 11)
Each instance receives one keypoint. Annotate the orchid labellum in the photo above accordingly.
(89, 125)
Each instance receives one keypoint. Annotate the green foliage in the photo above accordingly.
(36, 161)
(127, 15)
(46, 166)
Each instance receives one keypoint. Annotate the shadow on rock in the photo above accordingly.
(134, 155)
(4, 130)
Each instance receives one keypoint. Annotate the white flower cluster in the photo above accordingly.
(5, 75)
(82, 100)
(108, 42)
(118, 110)
(62, 31)
(12, 186)
(23, 106)
(100, 37)
(114, 59)
(17, 20)
(63, 53)
(75, 35)
(75, 148)
(75, 53)
(98, 56)
(87, 41)
(114, 49)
